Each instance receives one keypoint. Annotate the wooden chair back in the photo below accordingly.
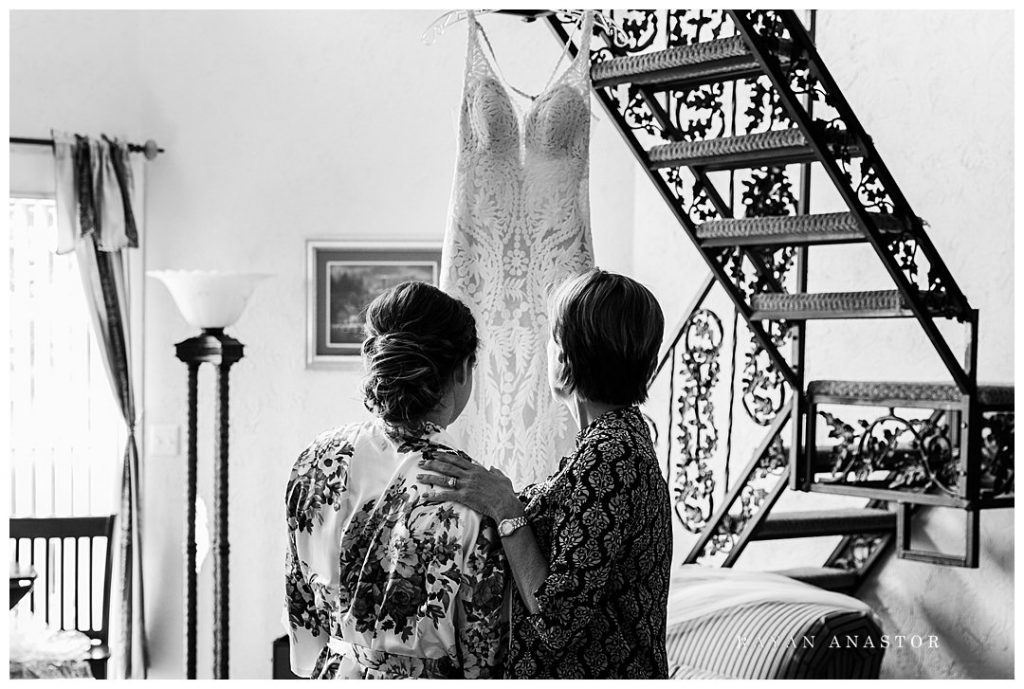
(61, 549)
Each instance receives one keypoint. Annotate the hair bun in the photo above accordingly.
(416, 337)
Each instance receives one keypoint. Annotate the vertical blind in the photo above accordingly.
(66, 432)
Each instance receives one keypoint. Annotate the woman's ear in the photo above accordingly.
(557, 369)
(465, 370)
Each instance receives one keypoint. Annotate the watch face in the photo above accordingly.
(504, 528)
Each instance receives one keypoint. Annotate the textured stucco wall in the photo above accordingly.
(935, 91)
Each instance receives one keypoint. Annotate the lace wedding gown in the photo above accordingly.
(519, 225)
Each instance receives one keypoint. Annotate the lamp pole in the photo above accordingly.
(215, 347)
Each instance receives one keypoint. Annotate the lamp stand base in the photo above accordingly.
(215, 347)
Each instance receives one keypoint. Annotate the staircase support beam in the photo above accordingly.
(751, 526)
(737, 488)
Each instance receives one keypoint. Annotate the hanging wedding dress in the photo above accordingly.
(519, 225)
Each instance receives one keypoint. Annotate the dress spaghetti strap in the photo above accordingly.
(583, 28)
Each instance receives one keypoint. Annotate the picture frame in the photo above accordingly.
(343, 277)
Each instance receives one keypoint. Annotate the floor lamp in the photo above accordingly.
(210, 301)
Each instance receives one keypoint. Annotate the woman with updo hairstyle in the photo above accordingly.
(378, 583)
(419, 340)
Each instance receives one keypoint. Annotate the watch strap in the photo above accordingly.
(507, 527)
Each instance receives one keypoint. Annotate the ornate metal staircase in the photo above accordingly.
(727, 112)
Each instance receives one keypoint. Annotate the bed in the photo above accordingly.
(726, 623)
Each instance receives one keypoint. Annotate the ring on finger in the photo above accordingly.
(452, 482)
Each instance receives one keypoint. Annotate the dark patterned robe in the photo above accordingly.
(603, 521)
(377, 584)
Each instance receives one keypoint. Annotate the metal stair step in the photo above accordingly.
(810, 524)
(836, 305)
(775, 147)
(894, 394)
(680, 66)
(828, 578)
(791, 230)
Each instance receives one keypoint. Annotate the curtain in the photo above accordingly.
(97, 200)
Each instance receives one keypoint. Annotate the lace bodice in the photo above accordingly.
(519, 224)
(556, 121)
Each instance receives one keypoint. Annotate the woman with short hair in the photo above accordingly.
(380, 584)
(590, 548)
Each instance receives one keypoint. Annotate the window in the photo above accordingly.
(67, 435)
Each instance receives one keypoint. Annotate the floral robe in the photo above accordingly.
(379, 585)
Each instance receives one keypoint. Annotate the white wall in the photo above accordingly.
(278, 126)
(289, 125)
(935, 91)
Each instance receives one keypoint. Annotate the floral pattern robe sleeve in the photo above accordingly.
(308, 630)
(482, 622)
(313, 499)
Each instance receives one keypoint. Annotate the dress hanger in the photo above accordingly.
(496, 66)
(452, 17)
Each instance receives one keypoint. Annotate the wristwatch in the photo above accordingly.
(507, 527)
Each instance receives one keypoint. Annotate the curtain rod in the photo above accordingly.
(149, 149)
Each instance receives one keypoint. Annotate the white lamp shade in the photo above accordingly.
(209, 298)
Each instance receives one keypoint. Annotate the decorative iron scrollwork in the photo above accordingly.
(639, 26)
(690, 193)
(857, 551)
(694, 482)
(764, 109)
(769, 470)
(997, 453)
(699, 113)
(917, 455)
(635, 112)
(767, 193)
(687, 27)
(764, 388)
(904, 454)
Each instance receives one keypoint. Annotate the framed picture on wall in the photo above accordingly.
(343, 278)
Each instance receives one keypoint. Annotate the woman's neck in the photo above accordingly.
(585, 411)
(440, 416)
